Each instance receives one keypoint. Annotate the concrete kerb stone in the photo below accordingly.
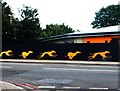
(9, 86)
(59, 62)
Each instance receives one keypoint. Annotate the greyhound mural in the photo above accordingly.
(53, 53)
(25, 54)
(102, 54)
(80, 51)
(49, 53)
(70, 55)
(7, 53)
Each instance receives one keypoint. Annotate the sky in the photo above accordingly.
(77, 14)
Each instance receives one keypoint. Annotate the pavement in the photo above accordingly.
(60, 61)
(7, 86)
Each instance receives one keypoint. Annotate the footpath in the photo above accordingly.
(60, 62)
(5, 86)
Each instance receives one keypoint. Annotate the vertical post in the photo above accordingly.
(119, 56)
(0, 36)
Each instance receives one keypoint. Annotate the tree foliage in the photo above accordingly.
(27, 29)
(9, 24)
(56, 29)
(108, 16)
(29, 25)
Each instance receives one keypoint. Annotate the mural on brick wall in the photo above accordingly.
(102, 54)
(49, 53)
(70, 55)
(53, 53)
(25, 54)
(7, 53)
(78, 51)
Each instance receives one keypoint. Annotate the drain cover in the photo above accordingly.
(55, 81)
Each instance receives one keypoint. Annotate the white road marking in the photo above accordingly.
(20, 88)
(46, 86)
(94, 66)
(80, 69)
(71, 87)
(74, 65)
(27, 87)
(98, 88)
(19, 64)
(5, 67)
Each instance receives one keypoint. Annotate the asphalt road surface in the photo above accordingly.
(60, 76)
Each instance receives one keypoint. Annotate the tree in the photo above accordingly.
(56, 29)
(29, 25)
(8, 24)
(108, 16)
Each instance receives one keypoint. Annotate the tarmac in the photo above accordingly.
(6, 85)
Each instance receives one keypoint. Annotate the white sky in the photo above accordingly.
(77, 14)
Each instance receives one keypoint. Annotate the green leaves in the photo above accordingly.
(28, 12)
(9, 24)
(56, 29)
(30, 26)
(108, 16)
(27, 29)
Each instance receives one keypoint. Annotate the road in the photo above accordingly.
(60, 76)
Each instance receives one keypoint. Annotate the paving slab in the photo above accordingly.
(9, 86)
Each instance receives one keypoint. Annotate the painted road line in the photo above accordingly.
(81, 69)
(29, 85)
(22, 85)
(18, 64)
(94, 66)
(98, 88)
(5, 67)
(71, 87)
(73, 65)
(46, 87)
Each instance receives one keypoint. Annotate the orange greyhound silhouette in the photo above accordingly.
(102, 54)
(7, 53)
(49, 53)
(25, 54)
(70, 55)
